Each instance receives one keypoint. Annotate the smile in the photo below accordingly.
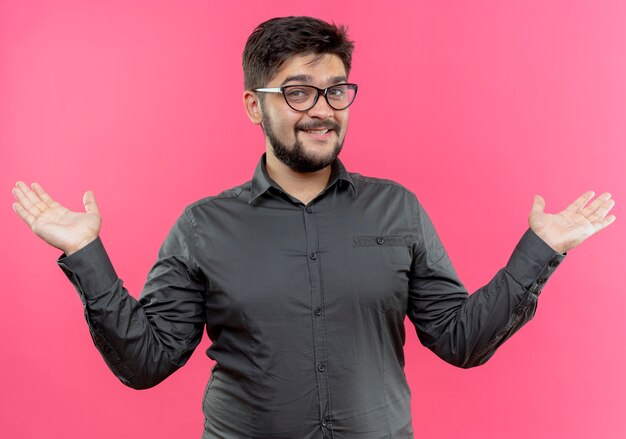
(320, 132)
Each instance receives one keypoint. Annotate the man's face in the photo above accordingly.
(310, 140)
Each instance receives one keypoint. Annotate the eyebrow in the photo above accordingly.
(307, 79)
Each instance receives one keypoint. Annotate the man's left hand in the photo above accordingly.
(568, 229)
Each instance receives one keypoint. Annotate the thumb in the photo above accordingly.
(90, 203)
(538, 205)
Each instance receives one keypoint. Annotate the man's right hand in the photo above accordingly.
(60, 227)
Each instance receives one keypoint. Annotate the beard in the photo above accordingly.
(295, 156)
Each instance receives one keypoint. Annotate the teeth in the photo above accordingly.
(317, 131)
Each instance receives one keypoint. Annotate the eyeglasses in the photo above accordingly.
(304, 97)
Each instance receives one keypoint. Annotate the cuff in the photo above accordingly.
(533, 262)
(89, 269)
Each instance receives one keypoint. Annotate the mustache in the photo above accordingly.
(318, 125)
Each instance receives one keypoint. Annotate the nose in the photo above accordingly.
(321, 109)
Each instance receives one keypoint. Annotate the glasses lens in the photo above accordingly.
(341, 96)
(300, 97)
(304, 97)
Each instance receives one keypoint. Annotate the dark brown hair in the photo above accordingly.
(277, 39)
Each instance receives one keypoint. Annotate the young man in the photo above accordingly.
(304, 275)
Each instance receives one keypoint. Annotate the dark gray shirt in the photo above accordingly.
(305, 306)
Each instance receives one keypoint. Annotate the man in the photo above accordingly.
(304, 275)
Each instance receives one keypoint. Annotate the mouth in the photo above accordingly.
(318, 135)
(318, 132)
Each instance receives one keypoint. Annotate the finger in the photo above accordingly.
(32, 197)
(23, 213)
(602, 211)
(43, 195)
(578, 205)
(89, 200)
(539, 204)
(590, 209)
(25, 202)
(605, 222)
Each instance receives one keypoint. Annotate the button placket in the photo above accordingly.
(320, 357)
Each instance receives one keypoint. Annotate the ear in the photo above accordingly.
(253, 107)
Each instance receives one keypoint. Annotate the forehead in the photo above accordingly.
(316, 69)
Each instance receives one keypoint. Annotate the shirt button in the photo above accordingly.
(380, 241)
(318, 311)
(554, 264)
(308, 210)
(313, 255)
(322, 367)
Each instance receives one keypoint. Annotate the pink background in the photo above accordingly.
(475, 106)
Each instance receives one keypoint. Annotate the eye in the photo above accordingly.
(297, 93)
(337, 92)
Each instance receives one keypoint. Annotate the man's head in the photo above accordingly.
(297, 51)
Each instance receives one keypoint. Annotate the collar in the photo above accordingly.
(261, 181)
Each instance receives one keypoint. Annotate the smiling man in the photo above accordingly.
(302, 276)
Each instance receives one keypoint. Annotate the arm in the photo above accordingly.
(142, 341)
(466, 330)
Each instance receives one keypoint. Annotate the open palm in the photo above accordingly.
(569, 228)
(60, 227)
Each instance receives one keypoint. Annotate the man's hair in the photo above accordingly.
(277, 39)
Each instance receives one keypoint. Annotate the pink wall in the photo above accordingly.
(475, 108)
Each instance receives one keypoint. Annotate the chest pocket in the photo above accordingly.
(381, 271)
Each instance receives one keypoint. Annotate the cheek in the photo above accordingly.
(343, 121)
(343, 116)
(284, 124)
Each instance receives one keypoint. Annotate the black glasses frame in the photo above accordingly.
(318, 92)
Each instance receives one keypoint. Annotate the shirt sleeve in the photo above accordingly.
(142, 341)
(465, 330)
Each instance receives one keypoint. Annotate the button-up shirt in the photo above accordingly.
(305, 306)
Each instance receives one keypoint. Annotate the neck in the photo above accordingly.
(304, 186)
